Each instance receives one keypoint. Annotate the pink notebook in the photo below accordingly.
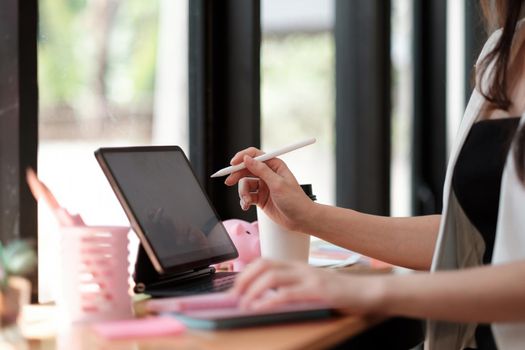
(221, 311)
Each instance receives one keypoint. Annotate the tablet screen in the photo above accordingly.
(165, 199)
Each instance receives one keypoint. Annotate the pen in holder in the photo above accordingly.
(94, 273)
(93, 264)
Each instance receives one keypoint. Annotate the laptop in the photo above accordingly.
(179, 230)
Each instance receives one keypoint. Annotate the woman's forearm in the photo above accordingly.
(407, 242)
(483, 295)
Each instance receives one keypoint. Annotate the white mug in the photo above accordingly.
(279, 243)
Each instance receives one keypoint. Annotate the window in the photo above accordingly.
(111, 73)
(402, 99)
(297, 87)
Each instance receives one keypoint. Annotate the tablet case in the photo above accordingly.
(216, 321)
(144, 273)
(147, 278)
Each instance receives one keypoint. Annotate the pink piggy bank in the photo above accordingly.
(245, 237)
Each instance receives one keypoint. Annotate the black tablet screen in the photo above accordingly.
(168, 203)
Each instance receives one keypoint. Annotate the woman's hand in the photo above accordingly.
(266, 284)
(274, 189)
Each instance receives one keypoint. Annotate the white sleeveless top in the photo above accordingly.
(459, 244)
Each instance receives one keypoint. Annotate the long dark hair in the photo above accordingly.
(504, 14)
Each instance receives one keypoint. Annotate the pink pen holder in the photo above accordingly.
(94, 274)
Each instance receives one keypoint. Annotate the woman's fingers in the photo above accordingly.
(252, 191)
(235, 177)
(263, 171)
(239, 156)
(270, 279)
(282, 283)
(282, 296)
(274, 164)
(264, 276)
(266, 284)
(251, 273)
(248, 185)
(248, 200)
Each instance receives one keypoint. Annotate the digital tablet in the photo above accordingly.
(167, 207)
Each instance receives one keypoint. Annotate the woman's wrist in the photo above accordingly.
(375, 294)
(396, 294)
(380, 294)
(311, 216)
(321, 219)
(361, 294)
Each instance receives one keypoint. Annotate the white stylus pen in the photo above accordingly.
(265, 157)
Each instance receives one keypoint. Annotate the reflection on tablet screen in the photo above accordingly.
(168, 203)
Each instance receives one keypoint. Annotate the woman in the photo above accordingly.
(475, 249)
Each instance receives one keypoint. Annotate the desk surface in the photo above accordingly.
(40, 331)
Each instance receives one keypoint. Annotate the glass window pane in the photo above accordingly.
(111, 73)
(297, 89)
(402, 102)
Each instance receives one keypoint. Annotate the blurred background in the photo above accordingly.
(381, 84)
(114, 72)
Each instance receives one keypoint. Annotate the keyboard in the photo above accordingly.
(218, 282)
(213, 285)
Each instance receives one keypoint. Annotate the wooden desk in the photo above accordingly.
(41, 333)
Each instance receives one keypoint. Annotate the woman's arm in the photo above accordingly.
(407, 242)
(483, 294)
(494, 293)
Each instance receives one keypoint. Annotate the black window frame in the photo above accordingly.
(363, 105)
(429, 134)
(18, 120)
(224, 92)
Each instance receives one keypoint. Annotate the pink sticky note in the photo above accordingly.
(140, 327)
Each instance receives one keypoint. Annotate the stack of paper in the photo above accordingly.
(325, 254)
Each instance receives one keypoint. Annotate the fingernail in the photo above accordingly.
(243, 205)
(246, 199)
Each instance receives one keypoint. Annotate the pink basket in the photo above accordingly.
(94, 274)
